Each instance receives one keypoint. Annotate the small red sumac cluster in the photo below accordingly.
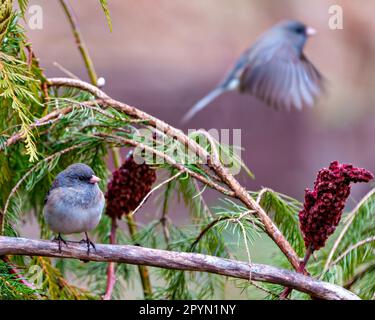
(129, 185)
(324, 205)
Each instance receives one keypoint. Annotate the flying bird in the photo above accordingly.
(274, 69)
(74, 204)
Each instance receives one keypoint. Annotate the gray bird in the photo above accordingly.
(74, 204)
(274, 70)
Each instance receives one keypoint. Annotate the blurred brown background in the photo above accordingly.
(164, 55)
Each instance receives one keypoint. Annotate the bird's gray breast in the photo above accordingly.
(73, 210)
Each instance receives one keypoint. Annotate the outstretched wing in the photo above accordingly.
(282, 79)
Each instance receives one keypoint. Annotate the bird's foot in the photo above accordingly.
(60, 239)
(89, 243)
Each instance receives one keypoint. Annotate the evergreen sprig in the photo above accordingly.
(19, 86)
(11, 287)
(284, 212)
(23, 5)
(104, 4)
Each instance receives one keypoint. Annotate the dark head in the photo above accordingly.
(76, 174)
(296, 32)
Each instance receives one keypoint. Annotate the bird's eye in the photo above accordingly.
(300, 30)
(81, 178)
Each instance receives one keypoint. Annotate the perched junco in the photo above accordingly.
(74, 204)
(274, 70)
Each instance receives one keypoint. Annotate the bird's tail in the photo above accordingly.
(201, 104)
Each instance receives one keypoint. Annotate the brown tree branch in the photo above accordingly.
(227, 178)
(42, 121)
(50, 118)
(179, 261)
(168, 159)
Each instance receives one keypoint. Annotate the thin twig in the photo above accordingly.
(209, 213)
(206, 229)
(79, 41)
(275, 295)
(154, 189)
(164, 216)
(66, 71)
(353, 247)
(262, 193)
(205, 206)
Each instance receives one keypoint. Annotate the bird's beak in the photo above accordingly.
(94, 179)
(310, 31)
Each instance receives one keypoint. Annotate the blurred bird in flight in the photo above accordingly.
(274, 69)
